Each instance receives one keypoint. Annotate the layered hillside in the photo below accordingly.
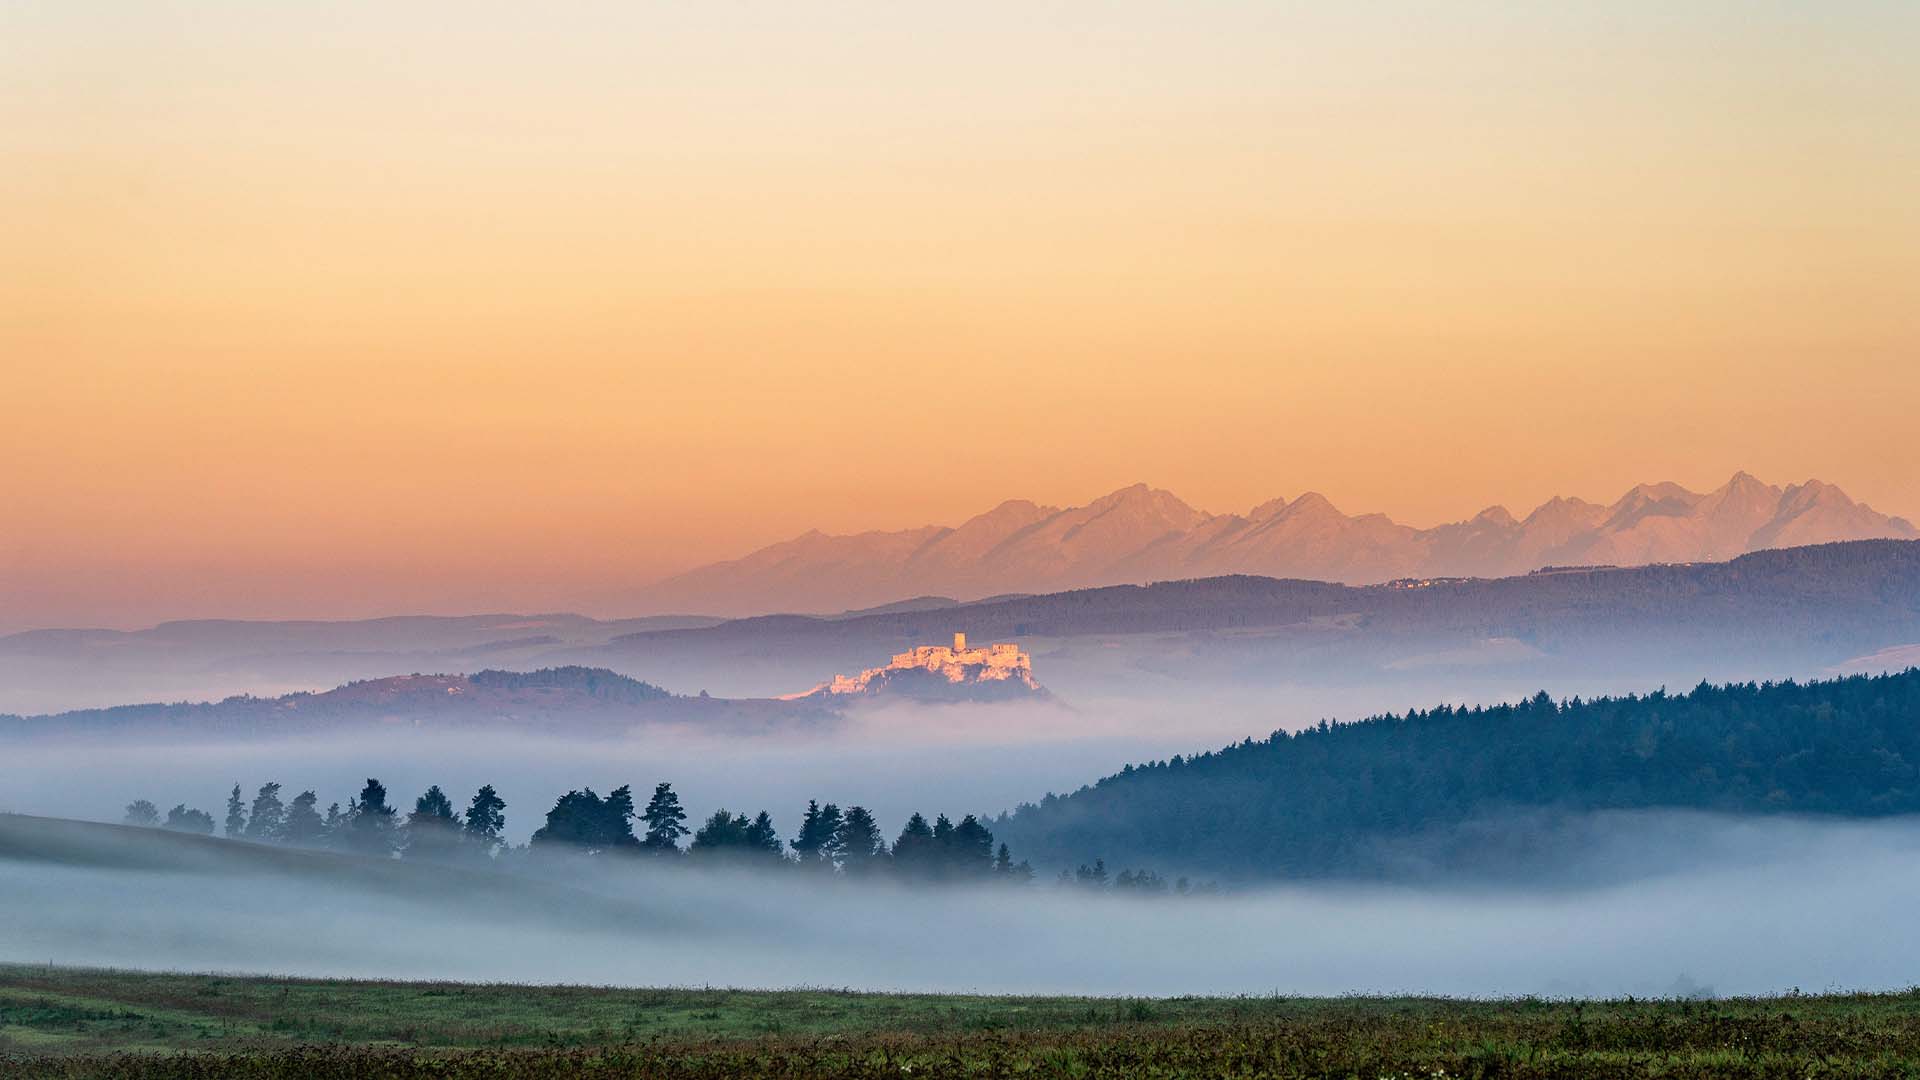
(1140, 534)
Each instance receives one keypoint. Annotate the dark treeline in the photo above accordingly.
(1331, 799)
(583, 823)
(1129, 882)
(367, 825)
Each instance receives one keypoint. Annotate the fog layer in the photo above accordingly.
(892, 763)
(1738, 906)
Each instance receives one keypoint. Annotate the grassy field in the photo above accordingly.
(79, 1023)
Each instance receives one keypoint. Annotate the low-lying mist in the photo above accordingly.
(895, 758)
(1731, 906)
(895, 762)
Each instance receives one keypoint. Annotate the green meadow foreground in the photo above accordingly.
(84, 1023)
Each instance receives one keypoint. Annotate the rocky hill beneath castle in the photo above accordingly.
(1139, 535)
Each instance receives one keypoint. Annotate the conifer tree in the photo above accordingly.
(368, 824)
(971, 849)
(432, 832)
(616, 819)
(818, 830)
(1092, 877)
(862, 850)
(724, 833)
(304, 827)
(265, 822)
(236, 814)
(665, 821)
(763, 839)
(577, 819)
(486, 817)
(914, 854)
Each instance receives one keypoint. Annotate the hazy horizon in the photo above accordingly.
(614, 603)
(1240, 504)
(1689, 897)
(360, 310)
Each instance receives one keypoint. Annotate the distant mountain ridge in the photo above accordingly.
(554, 700)
(1141, 534)
(568, 699)
(1770, 612)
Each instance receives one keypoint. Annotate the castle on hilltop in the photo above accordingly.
(999, 655)
(1001, 664)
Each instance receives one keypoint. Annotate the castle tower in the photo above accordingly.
(959, 643)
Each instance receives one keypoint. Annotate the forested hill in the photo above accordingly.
(1344, 798)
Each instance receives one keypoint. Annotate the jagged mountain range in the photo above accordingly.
(1141, 534)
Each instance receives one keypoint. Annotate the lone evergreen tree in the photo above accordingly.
(236, 813)
(665, 820)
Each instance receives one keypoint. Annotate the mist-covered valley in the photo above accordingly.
(1250, 653)
(896, 761)
(1075, 541)
(1191, 822)
(1734, 907)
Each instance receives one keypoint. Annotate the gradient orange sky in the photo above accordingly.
(350, 309)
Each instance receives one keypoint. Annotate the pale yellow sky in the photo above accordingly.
(353, 309)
